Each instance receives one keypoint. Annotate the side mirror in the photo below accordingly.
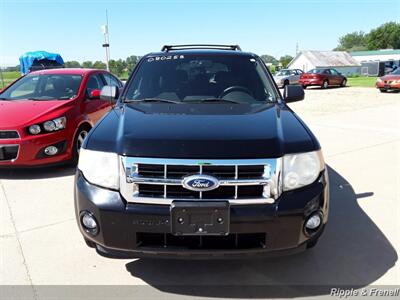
(109, 93)
(293, 93)
(94, 94)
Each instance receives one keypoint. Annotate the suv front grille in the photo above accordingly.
(231, 241)
(8, 134)
(147, 180)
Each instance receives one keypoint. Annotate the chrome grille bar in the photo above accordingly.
(131, 180)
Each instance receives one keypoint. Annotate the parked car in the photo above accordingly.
(201, 157)
(323, 78)
(389, 82)
(45, 115)
(287, 76)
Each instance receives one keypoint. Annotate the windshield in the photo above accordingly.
(44, 87)
(283, 73)
(197, 78)
(396, 72)
(316, 71)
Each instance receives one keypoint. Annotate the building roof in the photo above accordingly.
(375, 52)
(328, 58)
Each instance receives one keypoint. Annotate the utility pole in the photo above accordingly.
(297, 48)
(106, 45)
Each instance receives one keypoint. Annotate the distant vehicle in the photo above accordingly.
(389, 82)
(322, 77)
(287, 76)
(40, 60)
(46, 115)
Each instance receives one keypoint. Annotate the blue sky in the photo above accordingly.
(72, 28)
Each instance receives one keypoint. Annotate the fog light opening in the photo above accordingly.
(89, 222)
(51, 150)
(313, 223)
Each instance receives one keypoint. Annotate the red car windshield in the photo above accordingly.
(44, 87)
(315, 71)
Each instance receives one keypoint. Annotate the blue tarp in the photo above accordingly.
(26, 60)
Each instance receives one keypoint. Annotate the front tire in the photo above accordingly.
(325, 84)
(382, 90)
(344, 82)
(78, 142)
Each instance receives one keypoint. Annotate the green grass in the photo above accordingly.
(361, 81)
(9, 77)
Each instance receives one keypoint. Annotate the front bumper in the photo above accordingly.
(30, 149)
(309, 82)
(387, 86)
(123, 225)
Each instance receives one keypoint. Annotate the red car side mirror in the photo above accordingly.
(95, 94)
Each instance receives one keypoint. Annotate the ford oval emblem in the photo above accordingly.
(200, 183)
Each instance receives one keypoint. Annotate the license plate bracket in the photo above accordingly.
(200, 218)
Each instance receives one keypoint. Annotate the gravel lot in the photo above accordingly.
(359, 130)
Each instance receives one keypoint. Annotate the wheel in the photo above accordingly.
(383, 90)
(344, 82)
(304, 87)
(78, 141)
(89, 243)
(325, 84)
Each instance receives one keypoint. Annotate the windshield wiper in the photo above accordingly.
(1, 98)
(153, 100)
(219, 100)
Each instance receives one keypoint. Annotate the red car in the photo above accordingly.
(389, 82)
(45, 115)
(323, 78)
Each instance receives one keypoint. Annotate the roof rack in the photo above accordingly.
(167, 48)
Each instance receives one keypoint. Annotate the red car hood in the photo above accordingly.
(23, 112)
(390, 77)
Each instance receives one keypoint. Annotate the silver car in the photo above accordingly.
(287, 76)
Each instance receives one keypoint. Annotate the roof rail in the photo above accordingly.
(167, 48)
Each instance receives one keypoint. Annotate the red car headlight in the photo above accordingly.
(48, 126)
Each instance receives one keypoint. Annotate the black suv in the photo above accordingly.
(201, 157)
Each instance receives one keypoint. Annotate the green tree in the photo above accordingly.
(99, 65)
(131, 62)
(384, 37)
(87, 64)
(117, 67)
(285, 60)
(352, 42)
(269, 59)
(72, 64)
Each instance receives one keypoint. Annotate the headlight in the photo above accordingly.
(379, 80)
(48, 126)
(100, 168)
(34, 129)
(301, 169)
(55, 124)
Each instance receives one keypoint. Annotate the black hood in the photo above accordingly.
(207, 131)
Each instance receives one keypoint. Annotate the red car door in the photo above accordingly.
(336, 77)
(94, 107)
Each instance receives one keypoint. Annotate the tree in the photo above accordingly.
(99, 65)
(384, 37)
(352, 42)
(269, 59)
(72, 64)
(285, 60)
(131, 62)
(87, 64)
(117, 67)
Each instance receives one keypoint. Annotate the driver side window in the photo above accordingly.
(94, 83)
